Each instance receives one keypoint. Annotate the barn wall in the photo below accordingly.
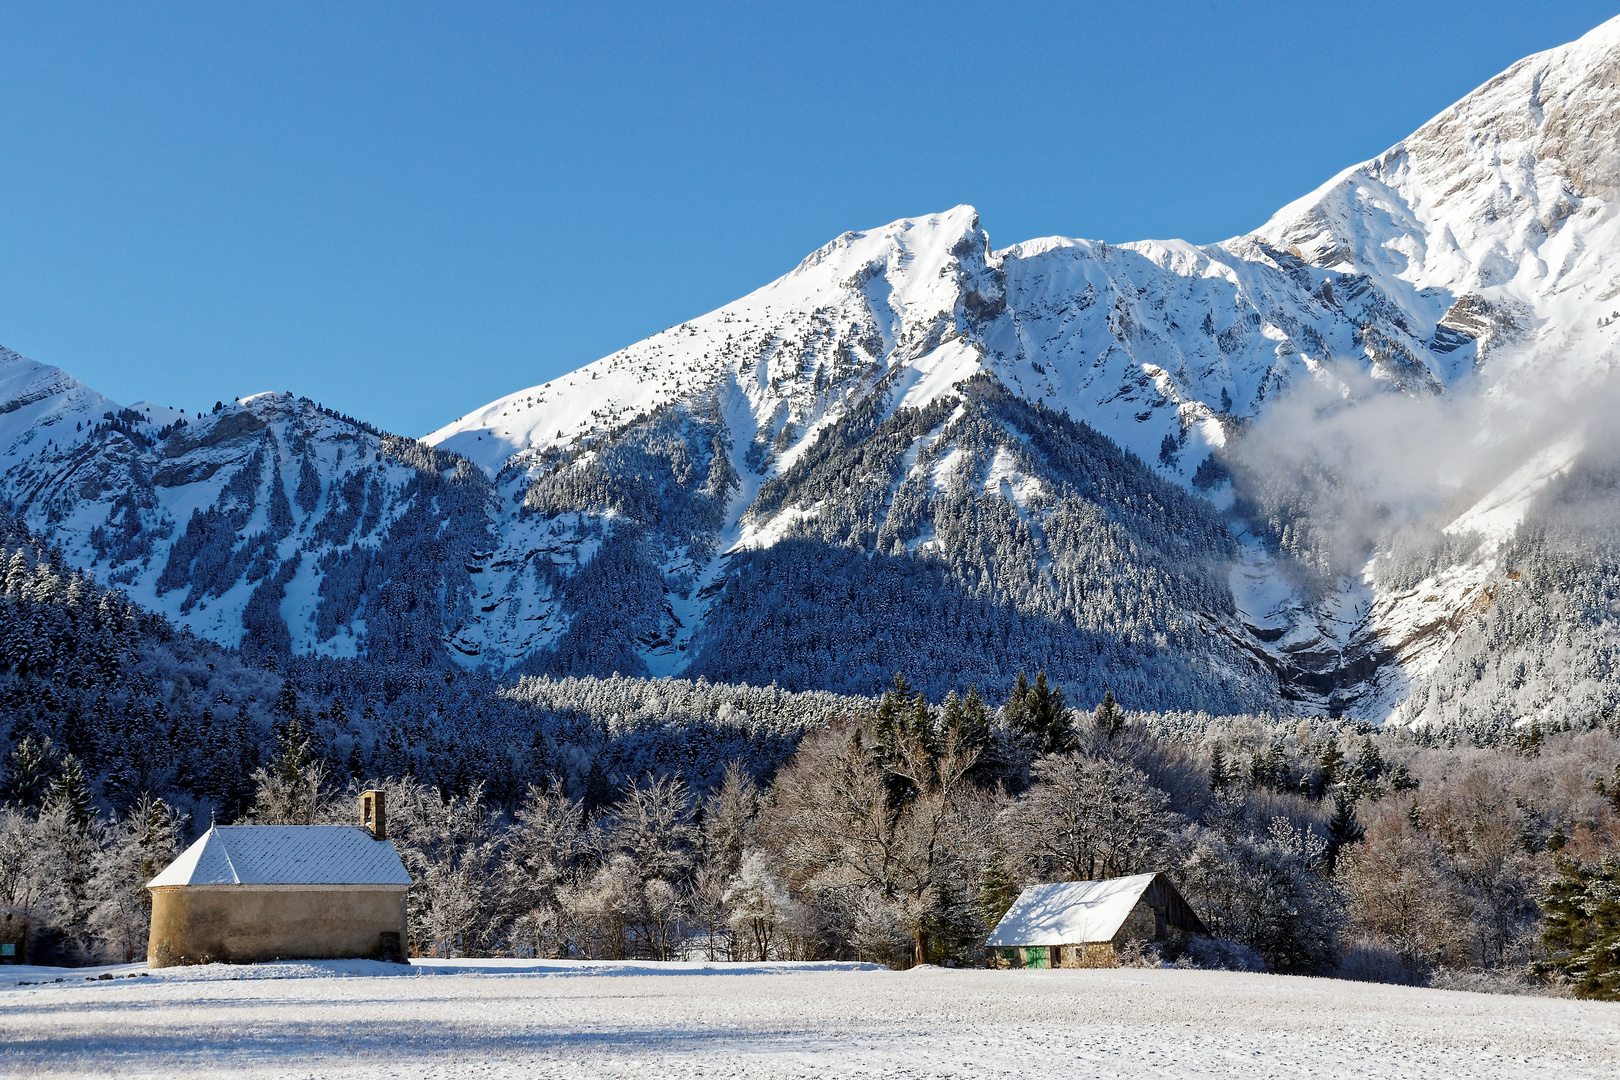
(1178, 913)
(241, 924)
(1139, 925)
(16, 930)
(1095, 954)
(1142, 925)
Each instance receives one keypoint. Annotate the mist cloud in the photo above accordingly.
(1344, 460)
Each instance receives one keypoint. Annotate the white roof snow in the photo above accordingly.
(286, 855)
(1070, 912)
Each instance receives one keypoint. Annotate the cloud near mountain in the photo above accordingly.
(1332, 465)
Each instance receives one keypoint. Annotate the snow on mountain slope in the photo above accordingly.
(904, 287)
(1163, 347)
(910, 394)
(38, 402)
(1495, 223)
(1473, 257)
(255, 525)
(1504, 194)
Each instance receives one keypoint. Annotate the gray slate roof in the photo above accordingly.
(286, 855)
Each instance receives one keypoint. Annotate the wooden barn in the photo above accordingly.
(16, 932)
(245, 893)
(1078, 924)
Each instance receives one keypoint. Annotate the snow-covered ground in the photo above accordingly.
(549, 1019)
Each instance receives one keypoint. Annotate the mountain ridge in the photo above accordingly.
(629, 515)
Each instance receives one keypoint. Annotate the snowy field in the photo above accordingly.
(526, 1019)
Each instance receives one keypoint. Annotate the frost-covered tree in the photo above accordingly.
(134, 851)
(292, 789)
(758, 905)
(730, 816)
(69, 837)
(28, 771)
(22, 863)
(1085, 818)
(1402, 895)
(1582, 935)
(845, 832)
(1038, 713)
(607, 906)
(543, 849)
(452, 849)
(1268, 891)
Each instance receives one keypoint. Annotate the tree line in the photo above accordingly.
(899, 832)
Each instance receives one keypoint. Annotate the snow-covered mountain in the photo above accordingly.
(269, 523)
(1178, 470)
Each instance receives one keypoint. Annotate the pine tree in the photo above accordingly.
(1015, 709)
(28, 771)
(1371, 763)
(967, 717)
(1048, 719)
(1257, 769)
(1277, 764)
(1038, 713)
(286, 705)
(1582, 930)
(1109, 717)
(893, 706)
(1219, 776)
(1344, 827)
(292, 790)
(922, 726)
(997, 889)
(69, 793)
(975, 727)
(1331, 763)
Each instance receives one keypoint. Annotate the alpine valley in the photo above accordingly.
(1354, 462)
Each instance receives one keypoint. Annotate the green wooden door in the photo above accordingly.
(1034, 956)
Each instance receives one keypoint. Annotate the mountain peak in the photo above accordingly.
(1477, 198)
(1017, 457)
(896, 292)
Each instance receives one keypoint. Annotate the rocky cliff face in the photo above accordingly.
(1156, 466)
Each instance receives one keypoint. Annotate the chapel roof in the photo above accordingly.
(285, 855)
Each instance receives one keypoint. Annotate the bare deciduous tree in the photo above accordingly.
(1402, 896)
(1085, 818)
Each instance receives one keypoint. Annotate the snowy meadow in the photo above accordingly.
(499, 1018)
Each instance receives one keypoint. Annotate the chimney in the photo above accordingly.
(373, 817)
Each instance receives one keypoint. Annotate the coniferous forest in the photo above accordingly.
(657, 818)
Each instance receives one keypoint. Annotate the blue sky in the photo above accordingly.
(406, 210)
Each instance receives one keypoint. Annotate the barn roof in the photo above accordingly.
(286, 855)
(1070, 912)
